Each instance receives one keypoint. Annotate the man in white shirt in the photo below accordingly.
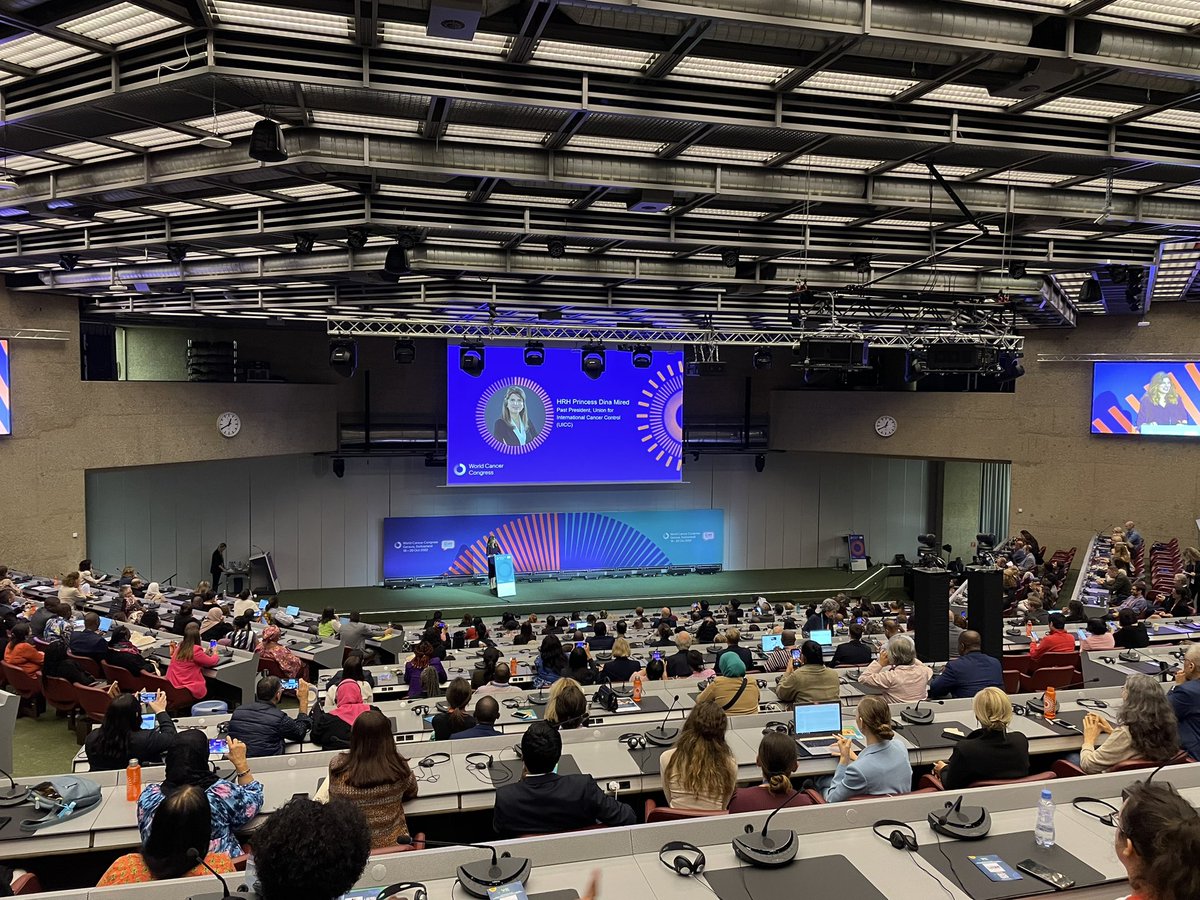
(499, 683)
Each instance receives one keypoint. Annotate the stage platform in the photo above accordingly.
(378, 604)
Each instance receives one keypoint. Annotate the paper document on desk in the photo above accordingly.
(626, 705)
(141, 641)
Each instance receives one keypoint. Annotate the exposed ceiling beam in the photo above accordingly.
(1063, 90)
(1143, 112)
(831, 54)
(782, 159)
(568, 129)
(664, 63)
(53, 31)
(537, 16)
(436, 118)
(943, 78)
(366, 23)
(188, 12)
(1086, 8)
(696, 134)
(483, 190)
(590, 197)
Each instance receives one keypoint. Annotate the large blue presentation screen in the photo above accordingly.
(1146, 398)
(553, 424)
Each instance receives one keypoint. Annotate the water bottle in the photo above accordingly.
(133, 781)
(1043, 831)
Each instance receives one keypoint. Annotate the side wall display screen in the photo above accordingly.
(1146, 398)
(5, 392)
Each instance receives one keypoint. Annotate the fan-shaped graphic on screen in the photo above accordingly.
(5, 401)
(532, 540)
(660, 416)
(498, 432)
(857, 546)
(597, 541)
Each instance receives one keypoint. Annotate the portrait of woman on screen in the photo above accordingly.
(513, 427)
(1160, 403)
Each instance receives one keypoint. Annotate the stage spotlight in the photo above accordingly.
(591, 360)
(643, 356)
(343, 356)
(396, 262)
(404, 351)
(760, 462)
(470, 359)
(862, 263)
(729, 259)
(763, 358)
(68, 261)
(1009, 364)
(305, 241)
(1016, 269)
(176, 253)
(535, 353)
(266, 142)
(556, 247)
(356, 238)
(339, 467)
(1089, 291)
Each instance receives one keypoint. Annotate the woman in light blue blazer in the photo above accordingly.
(882, 768)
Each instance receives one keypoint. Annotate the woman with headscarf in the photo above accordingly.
(154, 594)
(214, 627)
(731, 690)
(331, 730)
(271, 649)
(232, 803)
(421, 659)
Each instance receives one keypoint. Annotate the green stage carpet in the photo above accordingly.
(379, 604)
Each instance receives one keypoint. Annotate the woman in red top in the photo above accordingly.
(1157, 832)
(188, 662)
(20, 653)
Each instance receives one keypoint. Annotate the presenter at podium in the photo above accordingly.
(493, 550)
(513, 427)
(217, 567)
(1160, 403)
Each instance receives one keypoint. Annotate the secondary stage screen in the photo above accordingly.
(552, 424)
(5, 394)
(1146, 398)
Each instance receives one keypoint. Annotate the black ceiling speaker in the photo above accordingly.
(396, 262)
(266, 142)
(343, 356)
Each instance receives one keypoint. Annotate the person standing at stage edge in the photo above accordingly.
(217, 568)
(493, 550)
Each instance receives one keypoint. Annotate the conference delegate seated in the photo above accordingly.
(991, 751)
(352, 669)
(124, 653)
(415, 667)
(487, 712)
(1098, 637)
(189, 659)
(1057, 639)
(600, 640)
(120, 737)
(60, 626)
(243, 636)
(43, 614)
(70, 592)
(970, 673)
(20, 651)
(812, 682)
(901, 678)
(676, 664)
(778, 761)
(1185, 701)
(1146, 729)
(700, 772)
(1132, 634)
(882, 768)
(853, 652)
(331, 730)
(336, 842)
(826, 618)
(622, 666)
(706, 631)
(500, 683)
(483, 674)
(1158, 838)
(455, 718)
(780, 658)
(732, 645)
(289, 663)
(174, 845)
(551, 662)
(580, 667)
(566, 706)
(232, 803)
(374, 777)
(57, 664)
(262, 726)
(90, 642)
(524, 635)
(543, 802)
(736, 694)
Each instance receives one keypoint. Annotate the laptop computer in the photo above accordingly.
(824, 637)
(105, 623)
(293, 611)
(816, 725)
(771, 642)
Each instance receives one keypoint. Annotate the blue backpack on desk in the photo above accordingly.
(61, 798)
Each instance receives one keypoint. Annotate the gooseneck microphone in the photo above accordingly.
(14, 793)
(663, 736)
(768, 851)
(914, 715)
(198, 858)
(477, 877)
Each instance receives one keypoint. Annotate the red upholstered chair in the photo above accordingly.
(1015, 662)
(29, 687)
(26, 884)
(1012, 682)
(60, 694)
(268, 666)
(919, 790)
(178, 699)
(759, 799)
(418, 843)
(936, 783)
(86, 663)
(126, 680)
(1050, 676)
(95, 701)
(1055, 660)
(1064, 769)
(656, 813)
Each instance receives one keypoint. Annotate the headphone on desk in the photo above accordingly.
(896, 837)
(682, 865)
(400, 887)
(479, 760)
(420, 710)
(511, 703)
(634, 740)
(780, 727)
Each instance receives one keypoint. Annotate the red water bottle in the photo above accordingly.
(637, 688)
(1050, 698)
(133, 781)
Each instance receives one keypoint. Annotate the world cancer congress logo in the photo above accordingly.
(504, 433)
(660, 416)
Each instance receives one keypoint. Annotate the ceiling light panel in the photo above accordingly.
(176, 208)
(155, 138)
(89, 152)
(591, 58)
(1173, 118)
(230, 124)
(477, 133)
(242, 201)
(421, 193)
(1119, 184)
(38, 52)
(377, 124)
(723, 71)
(802, 219)
(413, 37)
(1084, 109)
(1164, 12)
(274, 20)
(313, 191)
(855, 85)
(1023, 177)
(26, 165)
(1190, 191)
(121, 24)
(708, 213)
(963, 96)
(530, 200)
(832, 163)
(121, 215)
(726, 154)
(615, 145)
(921, 170)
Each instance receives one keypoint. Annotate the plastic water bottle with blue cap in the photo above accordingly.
(1043, 831)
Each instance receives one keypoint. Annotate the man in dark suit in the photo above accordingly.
(543, 802)
(89, 642)
(970, 673)
(853, 652)
(601, 640)
(677, 664)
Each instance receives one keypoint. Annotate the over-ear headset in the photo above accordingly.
(479, 760)
(420, 710)
(897, 837)
(683, 865)
(781, 727)
(634, 740)
(511, 703)
(762, 683)
(400, 887)
(434, 759)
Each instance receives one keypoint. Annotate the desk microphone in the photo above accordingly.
(764, 850)
(197, 857)
(914, 715)
(1037, 705)
(966, 824)
(477, 877)
(14, 793)
(663, 736)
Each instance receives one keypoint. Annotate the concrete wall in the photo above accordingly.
(962, 487)
(64, 426)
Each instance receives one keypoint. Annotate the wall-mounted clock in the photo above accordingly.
(229, 424)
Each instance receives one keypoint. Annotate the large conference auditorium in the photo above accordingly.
(564, 449)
